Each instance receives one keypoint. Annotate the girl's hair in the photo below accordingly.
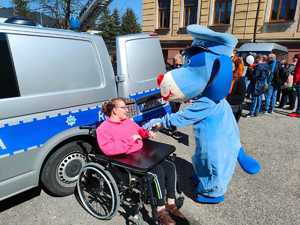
(108, 106)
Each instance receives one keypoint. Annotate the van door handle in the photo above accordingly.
(120, 78)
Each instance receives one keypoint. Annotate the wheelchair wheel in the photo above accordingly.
(98, 191)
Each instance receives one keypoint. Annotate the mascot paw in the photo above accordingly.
(248, 164)
(208, 200)
(152, 124)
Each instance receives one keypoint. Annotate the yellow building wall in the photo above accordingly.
(149, 15)
(243, 22)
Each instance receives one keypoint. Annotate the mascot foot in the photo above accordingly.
(208, 200)
(248, 164)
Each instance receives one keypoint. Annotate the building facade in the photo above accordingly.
(249, 20)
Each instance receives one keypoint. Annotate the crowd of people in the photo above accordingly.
(266, 81)
(266, 78)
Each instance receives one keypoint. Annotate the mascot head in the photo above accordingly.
(207, 67)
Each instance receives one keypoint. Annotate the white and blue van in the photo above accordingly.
(54, 81)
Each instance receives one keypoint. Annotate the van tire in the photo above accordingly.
(61, 170)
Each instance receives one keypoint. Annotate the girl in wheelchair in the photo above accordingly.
(120, 135)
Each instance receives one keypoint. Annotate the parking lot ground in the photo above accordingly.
(271, 197)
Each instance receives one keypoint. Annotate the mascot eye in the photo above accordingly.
(186, 61)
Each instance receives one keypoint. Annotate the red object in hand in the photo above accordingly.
(159, 79)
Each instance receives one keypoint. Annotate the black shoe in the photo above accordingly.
(250, 115)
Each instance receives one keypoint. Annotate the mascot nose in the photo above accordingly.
(159, 79)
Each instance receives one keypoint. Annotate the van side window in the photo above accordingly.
(8, 82)
(46, 64)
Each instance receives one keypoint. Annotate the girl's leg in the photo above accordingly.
(158, 173)
(170, 178)
(159, 181)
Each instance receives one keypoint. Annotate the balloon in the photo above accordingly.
(250, 59)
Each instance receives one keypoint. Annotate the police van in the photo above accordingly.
(54, 81)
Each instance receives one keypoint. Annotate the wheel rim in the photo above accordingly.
(69, 168)
(97, 193)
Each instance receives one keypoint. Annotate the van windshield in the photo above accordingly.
(146, 63)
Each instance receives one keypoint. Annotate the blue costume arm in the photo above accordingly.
(199, 110)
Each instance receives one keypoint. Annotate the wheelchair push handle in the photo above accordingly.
(91, 128)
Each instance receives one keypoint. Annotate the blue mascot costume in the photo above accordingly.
(206, 78)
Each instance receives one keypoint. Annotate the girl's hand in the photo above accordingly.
(152, 134)
(136, 137)
(155, 127)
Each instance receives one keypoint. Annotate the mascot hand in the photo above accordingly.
(153, 124)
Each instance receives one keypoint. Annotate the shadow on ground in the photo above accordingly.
(177, 135)
(185, 172)
(19, 199)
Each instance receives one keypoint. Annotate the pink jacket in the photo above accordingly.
(116, 137)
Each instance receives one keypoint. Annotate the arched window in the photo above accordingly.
(164, 13)
(190, 12)
(283, 10)
(222, 11)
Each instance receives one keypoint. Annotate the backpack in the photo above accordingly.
(261, 74)
(275, 78)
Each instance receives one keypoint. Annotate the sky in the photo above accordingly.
(121, 5)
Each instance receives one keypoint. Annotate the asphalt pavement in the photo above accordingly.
(271, 197)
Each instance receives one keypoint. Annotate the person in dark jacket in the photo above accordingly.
(260, 74)
(236, 97)
(286, 76)
(238, 87)
(273, 83)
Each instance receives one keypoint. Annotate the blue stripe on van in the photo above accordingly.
(24, 136)
(27, 135)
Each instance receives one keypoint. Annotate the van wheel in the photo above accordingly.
(61, 170)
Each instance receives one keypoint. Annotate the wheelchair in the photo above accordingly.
(106, 183)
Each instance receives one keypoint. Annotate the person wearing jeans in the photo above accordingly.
(259, 79)
(255, 105)
(271, 98)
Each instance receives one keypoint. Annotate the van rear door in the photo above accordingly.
(139, 61)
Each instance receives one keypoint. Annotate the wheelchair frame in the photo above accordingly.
(101, 193)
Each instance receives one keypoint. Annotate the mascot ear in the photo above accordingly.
(220, 79)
